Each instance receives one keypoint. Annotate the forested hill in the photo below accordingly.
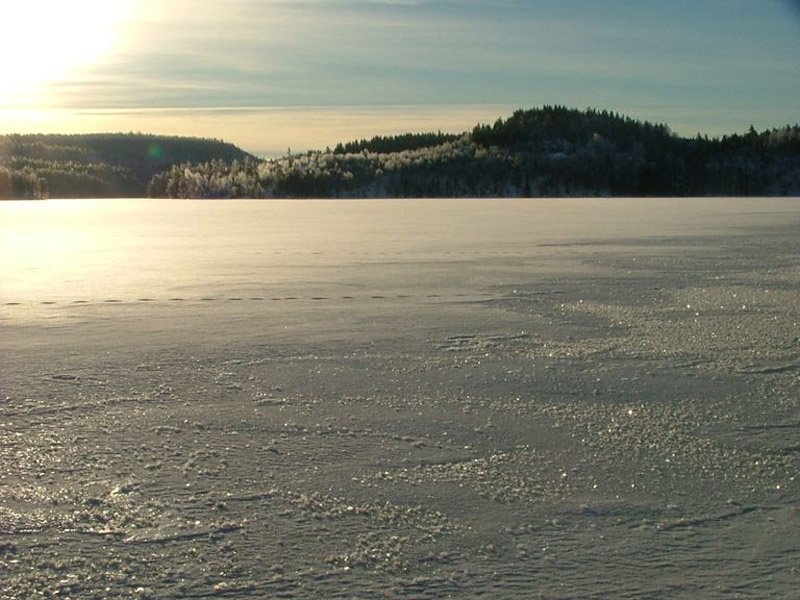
(549, 151)
(98, 165)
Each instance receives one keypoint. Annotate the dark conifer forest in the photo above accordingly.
(548, 151)
(97, 165)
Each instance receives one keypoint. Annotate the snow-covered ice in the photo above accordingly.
(412, 398)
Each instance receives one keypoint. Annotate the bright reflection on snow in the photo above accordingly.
(99, 250)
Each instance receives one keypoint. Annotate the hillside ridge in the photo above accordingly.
(546, 151)
(97, 165)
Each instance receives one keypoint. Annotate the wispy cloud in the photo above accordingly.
(681, 57)
(310, 52)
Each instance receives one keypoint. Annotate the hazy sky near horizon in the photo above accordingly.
(272, 74)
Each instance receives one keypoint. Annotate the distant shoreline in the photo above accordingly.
(551, 151)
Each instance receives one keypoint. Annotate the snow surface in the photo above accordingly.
(411, 398)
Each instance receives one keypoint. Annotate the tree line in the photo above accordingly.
(547, 151)
(97, 165)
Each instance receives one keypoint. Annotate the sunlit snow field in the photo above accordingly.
(548, 398)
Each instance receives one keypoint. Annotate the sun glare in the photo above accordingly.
(42, 41)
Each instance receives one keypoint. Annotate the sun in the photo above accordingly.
(42, 41)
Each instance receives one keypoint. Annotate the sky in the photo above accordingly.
(274, 75)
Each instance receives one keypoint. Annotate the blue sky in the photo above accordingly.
(272, 74)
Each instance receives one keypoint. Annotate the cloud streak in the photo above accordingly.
(682, 57)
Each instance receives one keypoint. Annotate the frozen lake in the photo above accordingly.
(217, 265)
(547, 398)
(125, 250)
